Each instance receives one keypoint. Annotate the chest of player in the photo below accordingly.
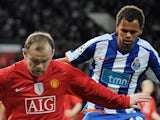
(24, 87)
(118, 69)
(36, 96)
(128, 63)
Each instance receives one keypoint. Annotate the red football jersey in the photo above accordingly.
(29, 98)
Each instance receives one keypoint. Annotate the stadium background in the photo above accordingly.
(70, 22)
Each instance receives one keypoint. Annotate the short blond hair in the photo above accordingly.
(39, 37)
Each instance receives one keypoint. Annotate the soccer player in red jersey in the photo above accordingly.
(34, 88)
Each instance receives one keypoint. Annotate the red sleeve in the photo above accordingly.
(75, 99)
(89, 90)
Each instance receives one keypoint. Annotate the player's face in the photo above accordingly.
(127, 34)
(38, 61)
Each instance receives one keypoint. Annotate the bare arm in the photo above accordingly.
(2, 111)
(64, 59)
(155, 116)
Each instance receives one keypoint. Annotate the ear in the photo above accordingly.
(141, 30)
(53, 53)
(24, 52)
(117, 29)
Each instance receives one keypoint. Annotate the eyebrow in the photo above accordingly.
(39, 60)
(131, 31)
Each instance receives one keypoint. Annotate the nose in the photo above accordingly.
(39, 66)
(128, 35)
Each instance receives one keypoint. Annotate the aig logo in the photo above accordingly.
(39, 105)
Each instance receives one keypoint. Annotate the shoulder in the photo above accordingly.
(60, 65)
(7, 71)
(144, 44)
(101, 38)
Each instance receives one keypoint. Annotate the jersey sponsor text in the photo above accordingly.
(39, 105)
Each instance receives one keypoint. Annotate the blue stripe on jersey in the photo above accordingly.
(140, 79)
(154, 64)
(121, 116)
(99, 107)
(86, 55)
(110, 57)
(132, 55)
(91, 68)
(93, 47)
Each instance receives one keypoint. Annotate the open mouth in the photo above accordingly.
(127, 42)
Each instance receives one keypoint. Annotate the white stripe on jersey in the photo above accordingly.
(143, 61)
(99, 53)
(118, 66)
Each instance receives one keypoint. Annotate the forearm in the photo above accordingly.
(155, 116)
(76, 108)
(100, 95)
(2, 111)
(107, 98)
(64, 59)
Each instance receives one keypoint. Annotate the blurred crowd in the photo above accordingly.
(67, 21)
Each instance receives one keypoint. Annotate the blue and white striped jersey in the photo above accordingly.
(122, 72)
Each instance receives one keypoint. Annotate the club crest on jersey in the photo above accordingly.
(38, 88)
(135, 64)
(54, 83)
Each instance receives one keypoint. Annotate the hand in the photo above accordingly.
(138, 97)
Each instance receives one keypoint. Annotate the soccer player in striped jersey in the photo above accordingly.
(119, 62)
